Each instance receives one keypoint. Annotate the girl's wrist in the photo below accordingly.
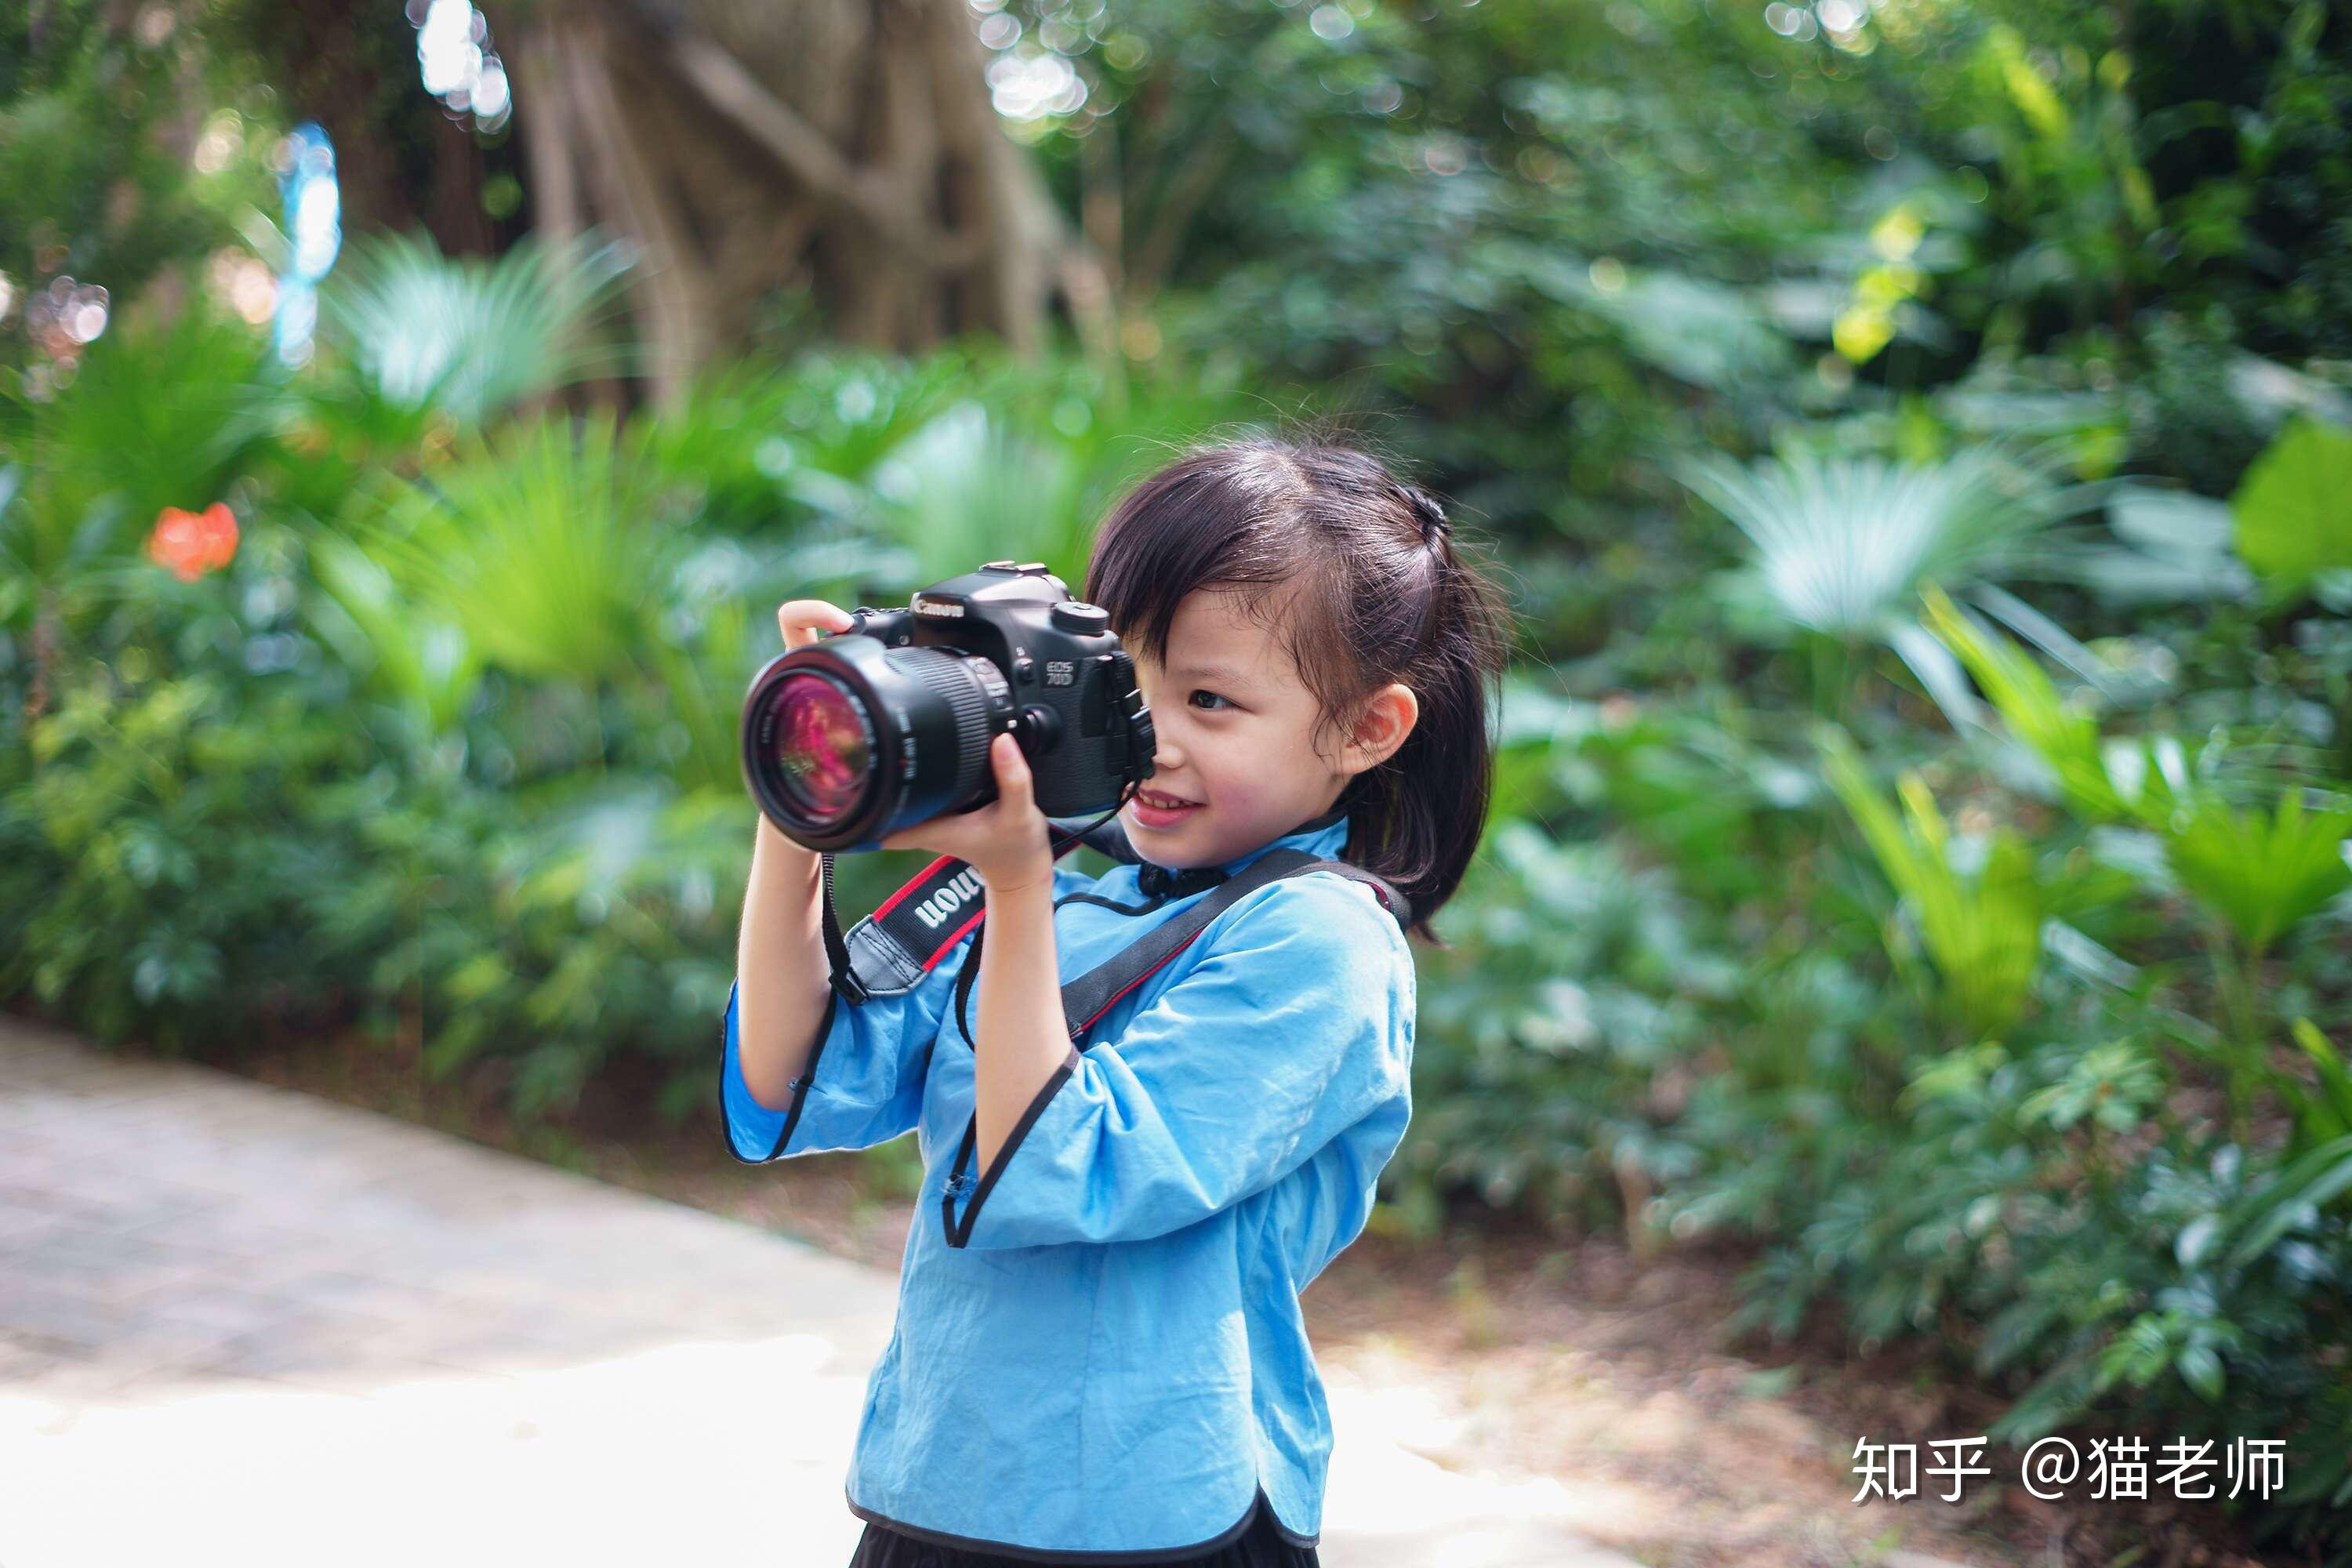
(770, 848)
(1017, 879)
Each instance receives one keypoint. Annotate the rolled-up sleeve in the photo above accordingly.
(863, 1084)
(1292, 1032)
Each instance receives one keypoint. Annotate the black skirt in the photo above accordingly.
(1259, 1545)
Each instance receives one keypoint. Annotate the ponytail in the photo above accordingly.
(1417, 817)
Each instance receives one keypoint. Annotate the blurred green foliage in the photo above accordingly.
(1916, 439)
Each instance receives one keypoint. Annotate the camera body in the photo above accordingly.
(898, 731)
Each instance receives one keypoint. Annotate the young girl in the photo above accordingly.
(1099, 1355)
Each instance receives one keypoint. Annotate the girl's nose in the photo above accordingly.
(1167, 753)
(1167, 756)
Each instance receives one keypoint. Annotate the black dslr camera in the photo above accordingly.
(889, 723)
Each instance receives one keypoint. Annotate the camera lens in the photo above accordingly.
(848, 739)
(824, 747)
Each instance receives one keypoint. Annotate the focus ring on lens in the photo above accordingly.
(956, 679)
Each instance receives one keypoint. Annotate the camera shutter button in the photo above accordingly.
(1078, 616)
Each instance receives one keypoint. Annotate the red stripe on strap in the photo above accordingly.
(956, 936)
(1088, 1022)
(920, 878)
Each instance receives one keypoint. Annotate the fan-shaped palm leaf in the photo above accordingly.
(421, 331)
(1842, 546)
(545, 547)
(2262, 873)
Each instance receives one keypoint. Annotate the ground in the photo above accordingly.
(1527, 1356)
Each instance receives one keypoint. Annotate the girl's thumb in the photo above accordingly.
(1011, 768)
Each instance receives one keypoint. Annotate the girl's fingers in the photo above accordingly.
(801, 619)
(975, 835)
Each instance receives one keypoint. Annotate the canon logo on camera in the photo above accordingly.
(946, 608)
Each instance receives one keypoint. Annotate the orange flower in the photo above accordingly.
(193, 544)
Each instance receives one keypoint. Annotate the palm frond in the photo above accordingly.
(421, 330)
(2264, 874)
(547, 548)
(1843, 545)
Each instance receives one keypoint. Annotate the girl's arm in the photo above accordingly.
(1022, 1038)
(782, 977)
(782, 974)
(1023, 1034)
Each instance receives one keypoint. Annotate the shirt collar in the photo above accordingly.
(1324, 836)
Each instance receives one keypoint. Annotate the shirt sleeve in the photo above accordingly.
(1293, 1030)
(1325, 1205)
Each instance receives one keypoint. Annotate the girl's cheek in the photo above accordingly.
(1243, 794)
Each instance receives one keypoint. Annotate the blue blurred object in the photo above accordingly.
(314, 231)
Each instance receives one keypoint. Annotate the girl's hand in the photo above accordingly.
(1007, 841)
(803, 620)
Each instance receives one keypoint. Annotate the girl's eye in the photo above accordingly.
(1208, 700)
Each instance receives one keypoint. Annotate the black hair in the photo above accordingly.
(1387, 595)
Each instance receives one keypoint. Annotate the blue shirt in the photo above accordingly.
(1113, 1360)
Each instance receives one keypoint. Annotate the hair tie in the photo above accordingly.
(1431, 516)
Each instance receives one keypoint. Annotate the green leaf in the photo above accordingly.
(545, 547)
(2262, 874)
(474, 337)
(2317, 1179)
(2065, 738)
(2201, 1369)
(1844, 546)
(2176, 525)
(2335, 1082)
(1983, 932)
(2293, 520)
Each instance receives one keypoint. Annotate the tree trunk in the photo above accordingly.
(845, 147)
(401, 162)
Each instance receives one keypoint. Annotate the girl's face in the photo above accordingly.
(1238, 762)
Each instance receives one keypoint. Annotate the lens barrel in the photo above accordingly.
(848, 740)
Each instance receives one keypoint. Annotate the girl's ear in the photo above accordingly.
(1382, 724)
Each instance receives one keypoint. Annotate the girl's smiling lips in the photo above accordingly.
(1157, 808)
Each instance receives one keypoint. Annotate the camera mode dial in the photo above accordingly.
(1078, 616)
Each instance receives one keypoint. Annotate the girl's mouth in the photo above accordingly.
(1156, 808)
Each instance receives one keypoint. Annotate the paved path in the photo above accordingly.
(244, 1324)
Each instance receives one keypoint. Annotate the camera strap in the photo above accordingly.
(913, 931)
(1086, 998)
(888, 952)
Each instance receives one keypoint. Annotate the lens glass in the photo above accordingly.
(825, 753)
